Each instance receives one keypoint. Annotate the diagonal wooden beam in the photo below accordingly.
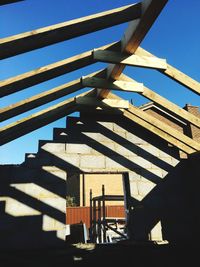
(129, 60)
(5, 2)
(44, 97)
(115, 85)
(24, 42)
(165, 136)
(163, 102)
(174, 73)
(159, 128)
(37, 120)
(42, 74)
(135, 34)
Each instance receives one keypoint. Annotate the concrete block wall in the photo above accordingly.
(92, 145)
(34, 206)
(99, 143)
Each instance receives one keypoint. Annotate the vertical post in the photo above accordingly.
(104, 213)
(83, 185)
(94, 221)
(91, 218)
(99, 221)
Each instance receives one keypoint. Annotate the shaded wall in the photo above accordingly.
(158, 189)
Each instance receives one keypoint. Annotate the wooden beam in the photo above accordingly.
(115, 85)
(37, 120)
(159, 128)
(43, 98)
(111, 103)
(165, 136)
(166, 104)
(174, 73)
(130, 60)
(42, 74)
(134, 35)
(5, 2)
(24, 42)
(164, 127)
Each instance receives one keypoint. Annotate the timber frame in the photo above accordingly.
(126, 52)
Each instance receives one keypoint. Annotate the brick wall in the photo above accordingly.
(193, 131)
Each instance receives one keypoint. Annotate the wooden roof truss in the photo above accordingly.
(141, 16)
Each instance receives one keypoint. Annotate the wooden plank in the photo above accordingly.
(5, 2)
(162, 130)
(163, 102)
(164, 127)
(111, 103)
(174, 73)
(115, 85)
(159, 133)
(134, 35)
(42, 74)
(37, 120)
(43, 98)
(130, 60)
(24, 42)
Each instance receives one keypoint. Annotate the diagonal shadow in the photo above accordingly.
(174, 202)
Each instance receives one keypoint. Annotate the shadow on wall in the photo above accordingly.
(32, 208)
(174, 202)
(32, 195)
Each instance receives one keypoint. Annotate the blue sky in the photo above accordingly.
(175, 36)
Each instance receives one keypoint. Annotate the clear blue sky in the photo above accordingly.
(175, 36)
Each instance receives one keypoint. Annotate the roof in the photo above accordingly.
(125, 52)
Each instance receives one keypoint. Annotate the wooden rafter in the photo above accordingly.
(162, 130)
(174, 73)
(163, 102)
(135, 34)
(37, 120)
(129, 60)
(5, 2)
(42, 74)
(24, 42)
(43, 98)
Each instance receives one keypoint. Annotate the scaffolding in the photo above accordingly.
(100, 223)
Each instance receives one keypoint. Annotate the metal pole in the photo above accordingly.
(104, 213)
(99, 221)
(94, 221)
(91, 217)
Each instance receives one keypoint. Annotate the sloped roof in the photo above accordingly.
(120, 54)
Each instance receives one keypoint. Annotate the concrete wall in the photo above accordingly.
(98, 146)
(156, 184)
(32, 207)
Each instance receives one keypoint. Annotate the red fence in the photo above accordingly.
(77, 214)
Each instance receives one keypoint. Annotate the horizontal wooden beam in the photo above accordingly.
(26, 125)
(43, 98)
(111, 103)
(174, 73)
(24, 42)
(42, 74)
(130, 60)
(5, 2)
(134, 35)
(115, 85)
(166, 104)
(159, 128)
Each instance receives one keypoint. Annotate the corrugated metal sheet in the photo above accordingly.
(77, 214)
